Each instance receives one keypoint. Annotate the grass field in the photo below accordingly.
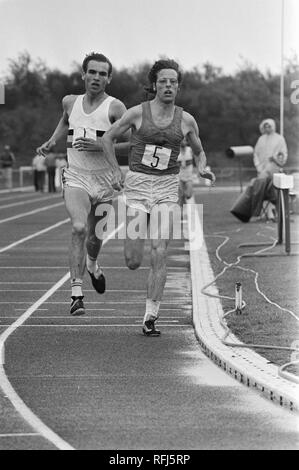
(260, 322)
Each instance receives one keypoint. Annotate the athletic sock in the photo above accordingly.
(156, 306)
(151, 309)
(93, 267)
(76, 285)
(91, 264)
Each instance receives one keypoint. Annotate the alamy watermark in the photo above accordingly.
(295, 94)
(165, 222)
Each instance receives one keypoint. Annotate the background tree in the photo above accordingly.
(228, 108)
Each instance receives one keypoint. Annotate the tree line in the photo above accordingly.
(227, 108)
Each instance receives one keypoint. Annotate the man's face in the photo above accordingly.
(96, 77)
(167, 85)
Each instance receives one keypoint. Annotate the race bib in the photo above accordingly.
(156, 157)
(86, 132)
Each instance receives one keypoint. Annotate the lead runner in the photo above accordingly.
(158, 128)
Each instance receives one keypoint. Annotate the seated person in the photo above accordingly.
(270, 155)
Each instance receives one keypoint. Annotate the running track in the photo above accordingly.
(94, 382)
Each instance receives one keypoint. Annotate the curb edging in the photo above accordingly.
(246, 366)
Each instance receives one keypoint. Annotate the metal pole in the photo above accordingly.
(282, 72)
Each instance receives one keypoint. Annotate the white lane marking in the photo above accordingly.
(15, 190)
(170, 268)
(162, 321)
(20, 434)
(89, 309)
(67, 290)
(35, 211)
(123, 317)
(53, 267)
(100, 325)
(23, 203)
(29, 237)
(22, 310)
(6, 386)
(13, 197)
(99, 302)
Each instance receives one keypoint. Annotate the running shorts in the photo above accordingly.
(96, 184)
(143, 191)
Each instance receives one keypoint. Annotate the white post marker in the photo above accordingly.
(282, 72)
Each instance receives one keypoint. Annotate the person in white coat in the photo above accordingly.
(270, 155)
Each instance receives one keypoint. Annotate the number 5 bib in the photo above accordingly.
(156, 157)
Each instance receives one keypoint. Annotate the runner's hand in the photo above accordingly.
(208, 174)
(83, 144)
(117, 181)
(46, 148)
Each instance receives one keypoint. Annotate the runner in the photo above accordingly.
(158, 128)
(88, 179)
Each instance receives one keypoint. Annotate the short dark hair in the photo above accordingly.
(99, 58)
(160, 65)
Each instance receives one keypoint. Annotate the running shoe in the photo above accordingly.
(77, 306)
(149, 328)
(99, 283)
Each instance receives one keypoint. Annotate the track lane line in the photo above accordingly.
(9, 391)
(35, 211)
(6, 386)
(20, 434)
(29, 237)
(28, 201)
(103, 325)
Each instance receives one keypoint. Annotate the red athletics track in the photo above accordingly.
(94, 382)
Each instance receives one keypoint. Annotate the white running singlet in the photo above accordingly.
(93, 126)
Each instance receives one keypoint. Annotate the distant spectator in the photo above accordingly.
(270, 152)
(39, 172)
(50, 161)
(270, 155)
(7, 160)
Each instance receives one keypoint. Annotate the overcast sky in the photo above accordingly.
(223, 32)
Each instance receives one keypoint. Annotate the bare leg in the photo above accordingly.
(94, 241)
(134, 242)
(158, 270)
(161, 232)
(97, 222)
(78, 207)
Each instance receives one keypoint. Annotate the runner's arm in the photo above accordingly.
(117, 130)
(117, 110)
(190, 130)
(59, 132)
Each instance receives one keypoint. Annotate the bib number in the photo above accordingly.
(87, 132)
(156, 157)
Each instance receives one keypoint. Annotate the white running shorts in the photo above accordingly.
(96, 184)
(143, 191)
